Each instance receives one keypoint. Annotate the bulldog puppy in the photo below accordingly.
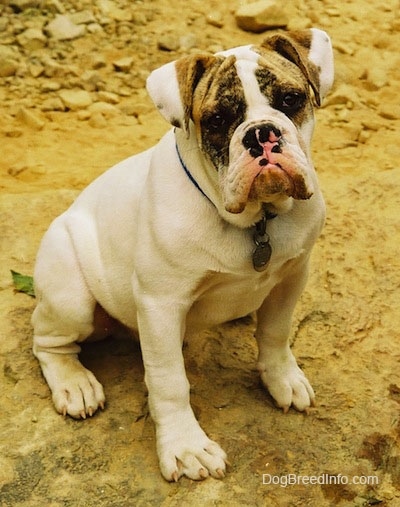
(214, 222)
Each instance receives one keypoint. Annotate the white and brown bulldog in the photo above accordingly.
(214, 222)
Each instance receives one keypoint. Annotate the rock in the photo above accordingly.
(21, 5)
(123, 64)
(97, 121)
(109, 97)
(110, 9)
(344, 95)
(82, 17)
(168, 42)
(8, 66)
(32, 39)
(262, 15)
(54, 6)
(98, 61)
(91, 80)
(215, 18)
(377, 78)
(107, 110)
(52, 104)
(389, 111)
(187, 41)
(75, 99)
(29, 118)
(62, 28)
(9, 63)
(50, 86)
(35, 69)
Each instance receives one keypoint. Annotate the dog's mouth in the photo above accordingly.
(268, 165)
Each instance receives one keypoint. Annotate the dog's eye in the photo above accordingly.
(216, 121)
(292, 102)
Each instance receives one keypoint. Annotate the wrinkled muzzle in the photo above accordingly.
(266, 161)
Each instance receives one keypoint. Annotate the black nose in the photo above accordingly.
(256, 136)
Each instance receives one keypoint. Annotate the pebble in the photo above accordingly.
(389, 111)
(30, 119)
(262, 15)
(215, 18)
(82, 17)
(52, 104)
(62, 28)
(343, 95)
(123, 64)
(109, 97)
(8, 65)
(168, 42)
(75, 99)
(32, 39)
(107, 110)
(98, 121)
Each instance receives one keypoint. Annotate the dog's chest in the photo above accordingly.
(221, 297)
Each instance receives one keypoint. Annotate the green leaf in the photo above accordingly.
(23, 283)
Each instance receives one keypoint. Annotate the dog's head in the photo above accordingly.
(251, 109)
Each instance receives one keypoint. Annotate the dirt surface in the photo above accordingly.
(346, 328)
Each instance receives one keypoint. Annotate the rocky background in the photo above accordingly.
(73, 103)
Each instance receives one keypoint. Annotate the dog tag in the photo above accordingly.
(261, 254)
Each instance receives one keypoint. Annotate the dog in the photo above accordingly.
(214, 222)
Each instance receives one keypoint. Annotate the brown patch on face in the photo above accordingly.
(285, 86)
(189, 71)
(295, 48)
(218, 108)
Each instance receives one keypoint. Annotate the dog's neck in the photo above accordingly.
(262, 251)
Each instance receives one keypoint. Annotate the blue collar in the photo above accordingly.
(189, 174)
(268, 215)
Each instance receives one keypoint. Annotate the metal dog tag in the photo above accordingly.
(261, 254)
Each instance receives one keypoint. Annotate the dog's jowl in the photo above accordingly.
(214, 222)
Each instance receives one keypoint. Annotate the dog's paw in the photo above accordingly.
(286, 383)
(193, 454)
(75, 390)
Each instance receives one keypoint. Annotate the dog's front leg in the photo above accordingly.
(183, 447)
(279, 371)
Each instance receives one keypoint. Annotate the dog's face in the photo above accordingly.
(251, 110)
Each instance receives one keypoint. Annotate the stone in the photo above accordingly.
(98, 61)
(82, 17)
(123, 64)
(75, 99)
(168, 42)
(262, 15)
(52, 104)
(215, 18)
(8, 66)
(389, 111)
(109, 97)
(30, 119)
(62, 28)
(107, 110)
(344, 95)
(110, 9)
(188, 41)
(97, 121)
(32, 39)
(21, 5)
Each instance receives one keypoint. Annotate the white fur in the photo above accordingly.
(322, 55)
(146, 245)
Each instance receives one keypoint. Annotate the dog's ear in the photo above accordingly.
(172, 86)
(311, 51)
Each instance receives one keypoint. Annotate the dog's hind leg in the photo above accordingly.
(64, 317)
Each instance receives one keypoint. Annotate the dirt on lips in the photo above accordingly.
(72, 103)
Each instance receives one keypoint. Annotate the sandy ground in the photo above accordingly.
(346, 330)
